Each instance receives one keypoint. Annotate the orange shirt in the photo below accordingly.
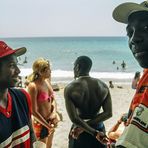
(136, 133)
(141, 95)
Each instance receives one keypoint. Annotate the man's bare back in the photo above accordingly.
(88, 95)
(84, 97)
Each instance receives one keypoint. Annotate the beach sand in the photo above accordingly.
(121, 97)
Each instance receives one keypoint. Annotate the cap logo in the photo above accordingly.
(139, 111)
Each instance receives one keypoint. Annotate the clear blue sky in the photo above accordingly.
(27, 18)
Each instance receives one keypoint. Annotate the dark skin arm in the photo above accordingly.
(72, 112)
(70, 92)
(107, 111)
(74, 117)
(73, 92)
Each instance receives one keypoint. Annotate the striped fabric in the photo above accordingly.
(135, 134)
(37, 128)
(17, 137)
(14, 125)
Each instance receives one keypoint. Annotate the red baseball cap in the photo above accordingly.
(5, 50)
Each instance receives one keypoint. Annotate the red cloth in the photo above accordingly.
(141, 95)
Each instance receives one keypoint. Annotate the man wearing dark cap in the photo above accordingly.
(135, 16)
(84, 98)
(15, 108)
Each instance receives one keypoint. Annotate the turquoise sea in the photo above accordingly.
(62, 52)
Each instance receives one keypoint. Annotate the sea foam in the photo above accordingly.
(69, 74)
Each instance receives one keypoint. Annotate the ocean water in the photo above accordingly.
(63, 51)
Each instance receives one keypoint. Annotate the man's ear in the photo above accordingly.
(77, 67)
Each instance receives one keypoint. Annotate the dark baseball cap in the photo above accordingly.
(124, 10)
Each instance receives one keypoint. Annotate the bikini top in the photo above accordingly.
(43, 96)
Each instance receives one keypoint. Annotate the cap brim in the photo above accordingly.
(20, 51)
(122, 12)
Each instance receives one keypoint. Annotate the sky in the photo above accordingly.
(37, 18)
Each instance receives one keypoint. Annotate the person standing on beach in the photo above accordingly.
(136, 17)
(136, 80)
(111, 84)
(123, 65)
(84, 97)
(15, 105)
(44, 110)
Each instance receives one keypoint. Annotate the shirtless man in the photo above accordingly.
(84, 98)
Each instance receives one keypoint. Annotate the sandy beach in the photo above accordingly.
(121, 97)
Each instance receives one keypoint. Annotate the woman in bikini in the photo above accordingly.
(44, 111)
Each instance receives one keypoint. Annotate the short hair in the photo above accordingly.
(84, 62)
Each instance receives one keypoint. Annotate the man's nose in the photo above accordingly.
(136, 37)
(17, 70)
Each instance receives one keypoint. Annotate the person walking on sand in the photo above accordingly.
(15, 105)
(84, 97)
(44, 109)
(123, 65)
(136, 17)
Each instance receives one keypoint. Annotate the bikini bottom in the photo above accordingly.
(40, 130)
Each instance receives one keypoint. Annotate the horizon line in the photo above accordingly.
(57, 36)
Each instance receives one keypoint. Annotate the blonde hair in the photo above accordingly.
(38, 66)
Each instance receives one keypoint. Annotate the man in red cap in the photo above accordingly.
(135, 16)
(15, 107)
